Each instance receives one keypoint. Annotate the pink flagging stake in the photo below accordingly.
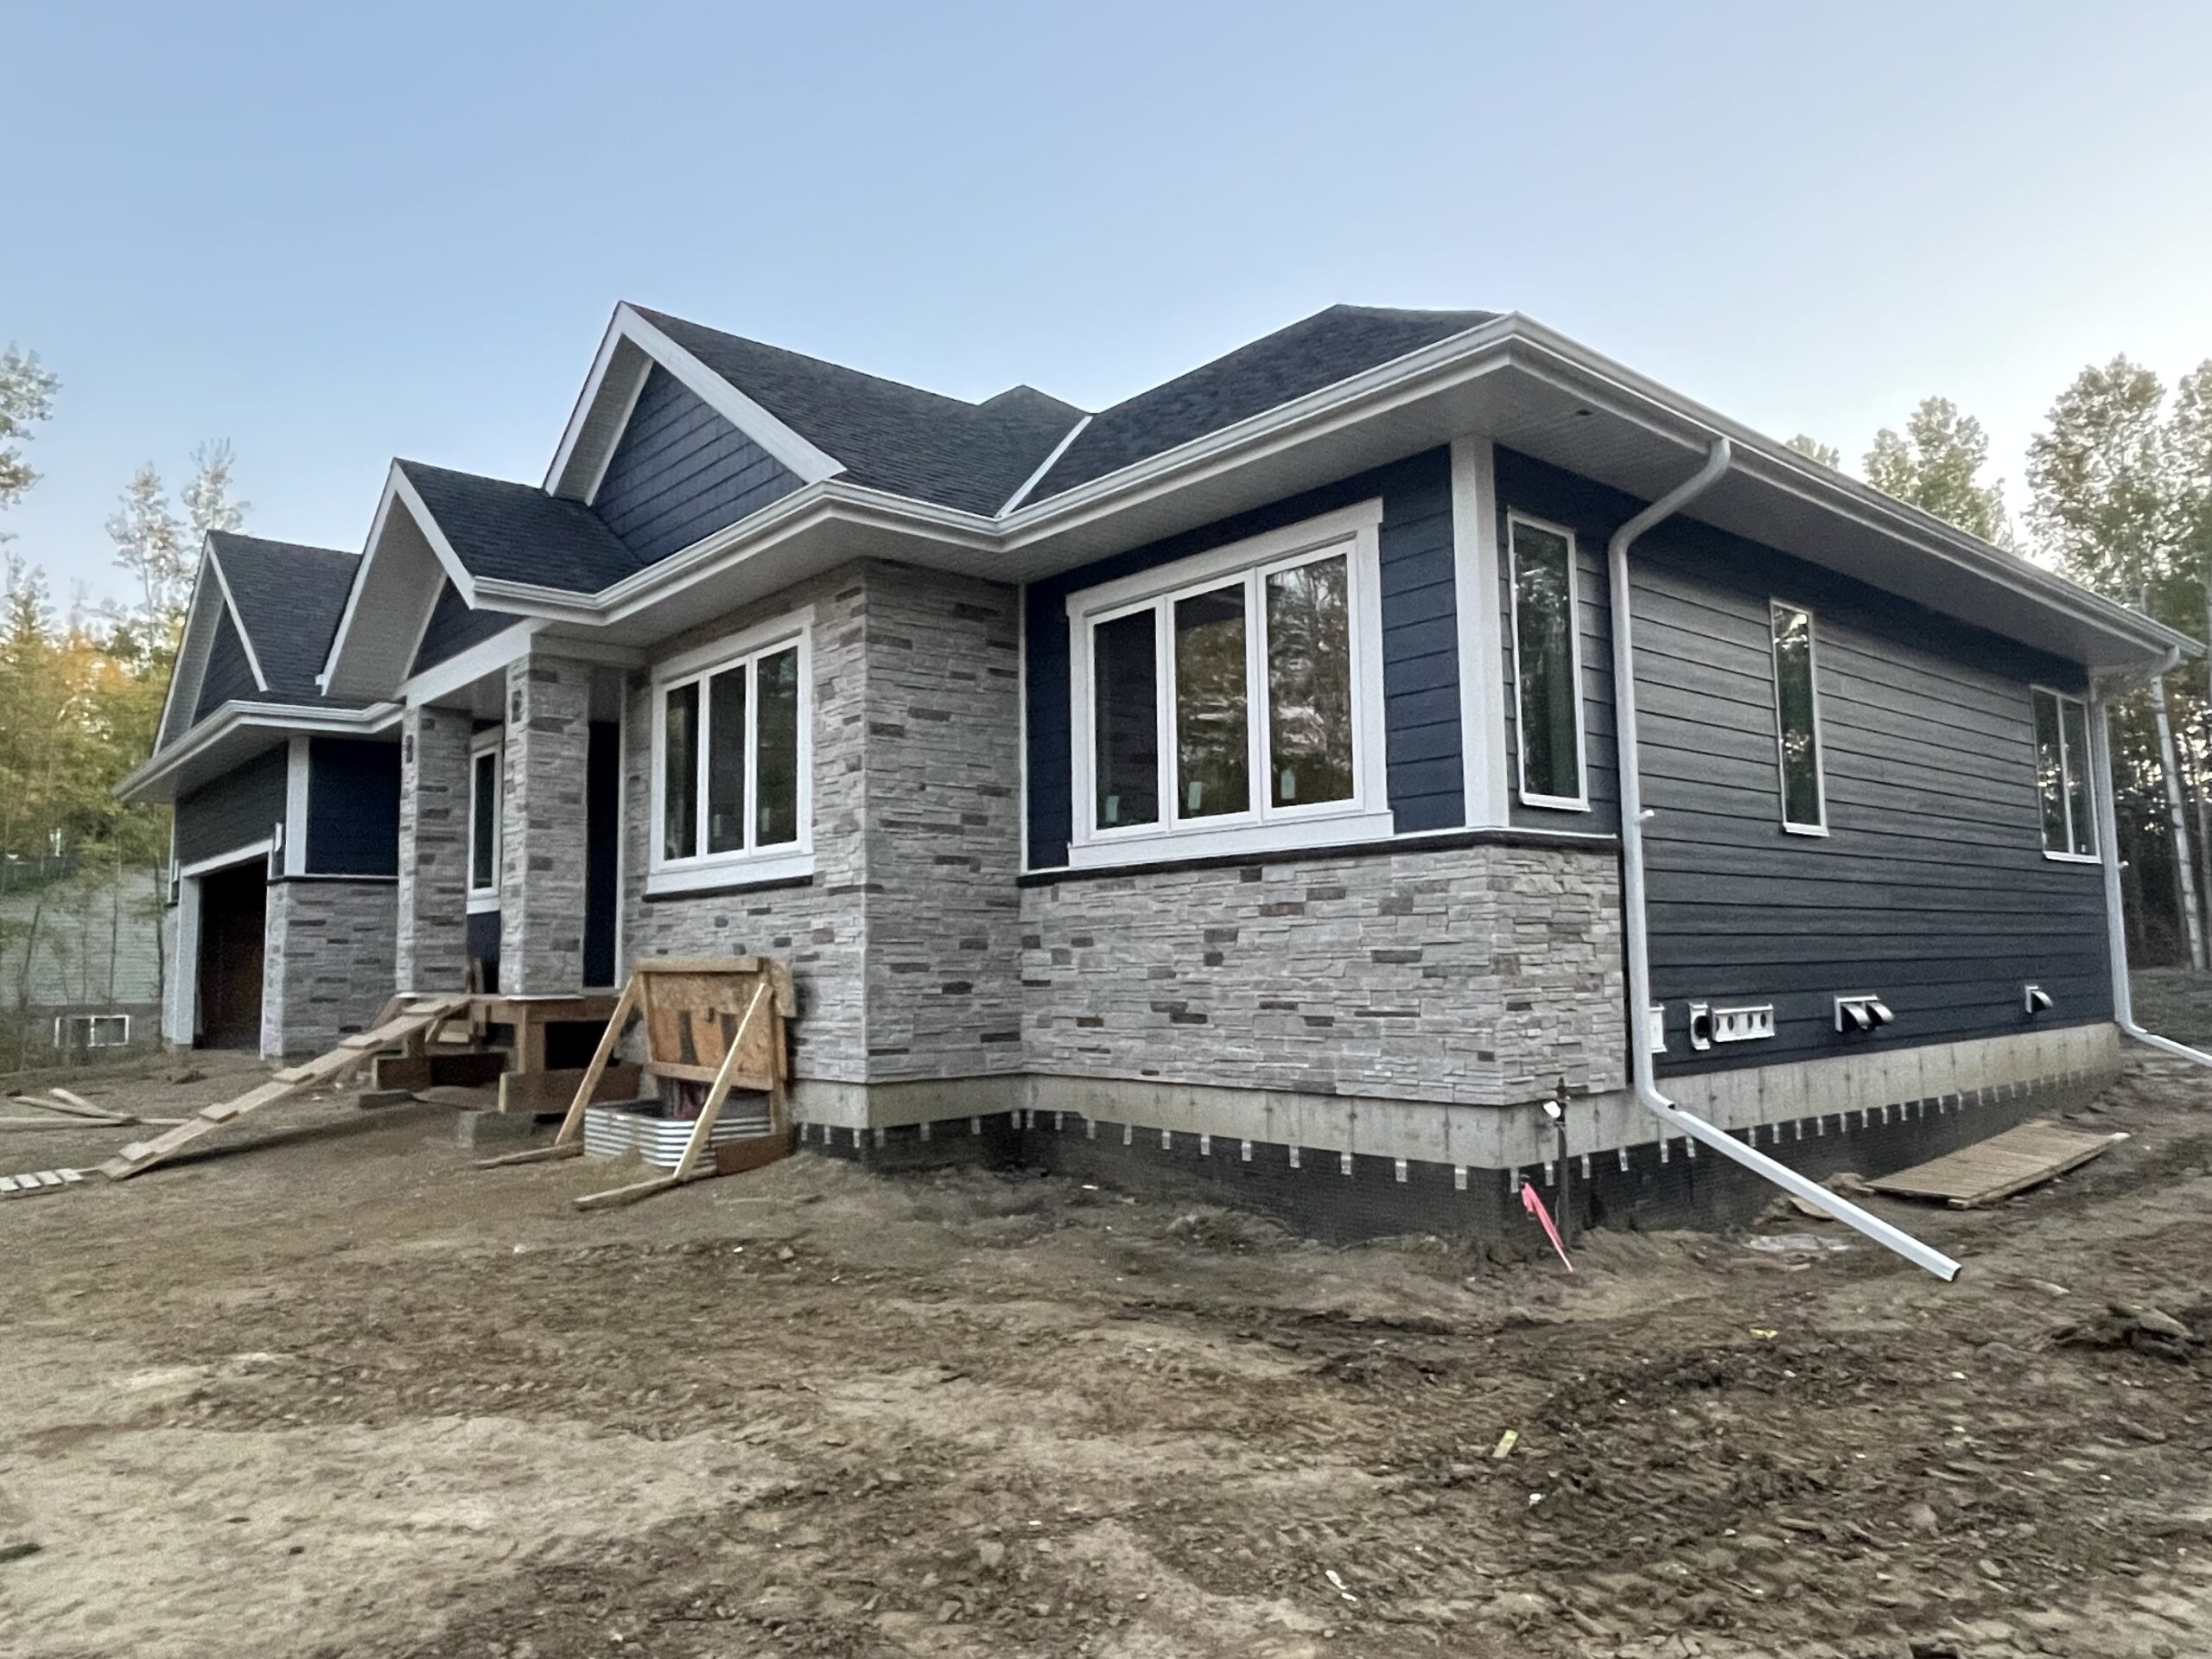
(1534, 1206)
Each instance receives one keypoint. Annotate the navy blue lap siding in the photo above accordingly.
(1420, 682)
(239, 808)
(452, 628)
(681, 471)
(229, 676)
(353, 807)
(1930, 889)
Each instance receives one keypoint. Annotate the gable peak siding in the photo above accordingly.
(681, 471)
(229, 677)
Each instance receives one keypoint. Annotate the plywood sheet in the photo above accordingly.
(2024, 1156)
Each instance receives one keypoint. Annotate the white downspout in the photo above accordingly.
(1678, 1122)
(2107, 814)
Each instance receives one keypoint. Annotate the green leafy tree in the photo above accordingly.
(1935, 464)
(1813, 450)
(26, 399)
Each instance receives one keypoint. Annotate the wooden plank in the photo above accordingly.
(534, 1155)
(2024, 1156)
(615, 1196)
(572, 1126)
(675, 1071)
(554, 1091)
(688, 1166)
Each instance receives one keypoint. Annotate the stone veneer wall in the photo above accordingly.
(1472, 975)
(328, 964)
(432, 928)
(544, 845)
(905, 944)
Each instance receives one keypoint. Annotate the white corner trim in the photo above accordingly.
(1580, 801)
(1043, 467)
(238, 619)
(1481, 628)
(297, 757)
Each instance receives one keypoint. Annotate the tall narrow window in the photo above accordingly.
(732, 752)
(2063, 775)
(1213, 747)
(1546, 660)
(484, 823)
(1309, 683)
(1797, 723)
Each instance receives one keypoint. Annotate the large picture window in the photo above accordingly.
(1233, 699)
(1547, 663)
(730, 763)
(1797, 722)
(2063, 775)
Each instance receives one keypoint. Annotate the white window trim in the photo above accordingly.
(1820, 732)
(1580, 801)
(785, 861)
(63, 1022)
(1353, 531)
(2065, 777)
(492, 742)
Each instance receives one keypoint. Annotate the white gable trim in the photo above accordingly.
(399, 492)
(191, 669)
(238, 620)
(587, 443)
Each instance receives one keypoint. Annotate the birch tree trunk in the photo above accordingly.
(2184, 858)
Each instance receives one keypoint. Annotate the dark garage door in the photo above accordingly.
(233, 910)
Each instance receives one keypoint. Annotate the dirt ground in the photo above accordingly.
(330, 1390)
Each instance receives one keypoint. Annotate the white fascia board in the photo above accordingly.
(810, 462)
(402, 487)
(398, 492)
(508, 645)
(189, 671)
(285, 717)
(237, 619)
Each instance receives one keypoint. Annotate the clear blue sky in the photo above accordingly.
(335, 234)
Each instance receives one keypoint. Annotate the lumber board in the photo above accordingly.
(553, 1091)
(2024, 1156)
(74, 1106)
(558, 1150)
(615, 1196)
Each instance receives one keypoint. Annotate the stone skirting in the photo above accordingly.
(326, 962)
(1472, 975)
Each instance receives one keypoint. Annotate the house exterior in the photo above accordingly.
(1228, 778)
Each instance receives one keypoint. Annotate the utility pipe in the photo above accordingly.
(1678, 1122)
(2107, 816)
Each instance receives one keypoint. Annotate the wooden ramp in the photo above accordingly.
(404, 1020)
(2024, 1156)
(716, 1024)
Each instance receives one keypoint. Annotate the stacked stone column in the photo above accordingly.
(542, 864)
(432, 951)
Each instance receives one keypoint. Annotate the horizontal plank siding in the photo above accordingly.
(1421, 675)
(353, 807)
(239, 808)
(681, 471)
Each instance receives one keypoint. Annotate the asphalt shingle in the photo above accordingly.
(515, 532)
(290, 598)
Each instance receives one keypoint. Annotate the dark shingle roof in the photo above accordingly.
(289, 598)
(1326, 347)
(515, 532)
(888, 435)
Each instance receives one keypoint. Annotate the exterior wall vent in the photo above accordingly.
(2037, 999)
(1865, 1012)
(1747, 1023)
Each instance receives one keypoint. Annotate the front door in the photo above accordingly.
(233, 916)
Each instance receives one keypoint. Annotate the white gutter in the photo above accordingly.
(2107, 815)
(1678, 1122)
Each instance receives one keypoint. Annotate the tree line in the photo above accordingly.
(2119, 497)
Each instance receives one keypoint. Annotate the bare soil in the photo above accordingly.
(327, 1390)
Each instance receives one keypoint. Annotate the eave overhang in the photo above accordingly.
(235, 733)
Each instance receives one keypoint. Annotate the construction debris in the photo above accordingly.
(2124, 1325)
(2025, 1155)
(38, 1181)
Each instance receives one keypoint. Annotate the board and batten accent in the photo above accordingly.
(1420, 672)
(681, 472)
(1930, 890)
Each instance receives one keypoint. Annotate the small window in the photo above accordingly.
(1547, 664)
(2063, 775)
(76, 1033)
(1797, 722)
(729, 759)
(484, 823)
